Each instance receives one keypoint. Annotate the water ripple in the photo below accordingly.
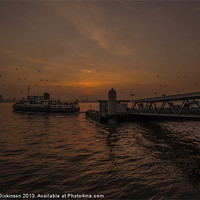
(46, 153)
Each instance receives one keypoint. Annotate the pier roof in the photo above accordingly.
(177, 97)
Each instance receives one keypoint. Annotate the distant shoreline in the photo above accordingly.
(88, 101)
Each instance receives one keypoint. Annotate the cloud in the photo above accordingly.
(113, 41)
(90, 84)
(86, 70)
(95, 24)
(34, 60)
(198, 8)
(96, 79)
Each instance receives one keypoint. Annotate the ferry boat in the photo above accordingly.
(45, 104)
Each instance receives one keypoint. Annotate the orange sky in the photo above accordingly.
(89, 47)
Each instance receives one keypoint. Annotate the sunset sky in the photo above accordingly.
(88, 47)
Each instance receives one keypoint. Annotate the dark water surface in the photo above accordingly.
(68, 153)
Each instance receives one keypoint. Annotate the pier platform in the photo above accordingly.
(138, 117)
(174, 107)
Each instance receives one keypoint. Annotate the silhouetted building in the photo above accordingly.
(112, 106)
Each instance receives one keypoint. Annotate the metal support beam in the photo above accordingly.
(171, 107)
(146, 105)
(155, 108)
(162, 106)
(134, 106)
(140, 108)
(190, 103)
(198, 104)
(182, 106)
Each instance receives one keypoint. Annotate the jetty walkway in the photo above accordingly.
(173, 107)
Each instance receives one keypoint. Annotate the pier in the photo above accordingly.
(173, 107)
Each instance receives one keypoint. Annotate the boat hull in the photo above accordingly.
(46, 110)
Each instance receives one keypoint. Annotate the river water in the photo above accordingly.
(69, 153)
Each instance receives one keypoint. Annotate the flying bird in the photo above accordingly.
(16, 69)
(38, 70)
(36, 84)
(58, 85)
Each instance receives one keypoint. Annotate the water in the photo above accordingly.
(69, 153)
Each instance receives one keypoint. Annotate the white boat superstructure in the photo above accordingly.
(45, 104)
